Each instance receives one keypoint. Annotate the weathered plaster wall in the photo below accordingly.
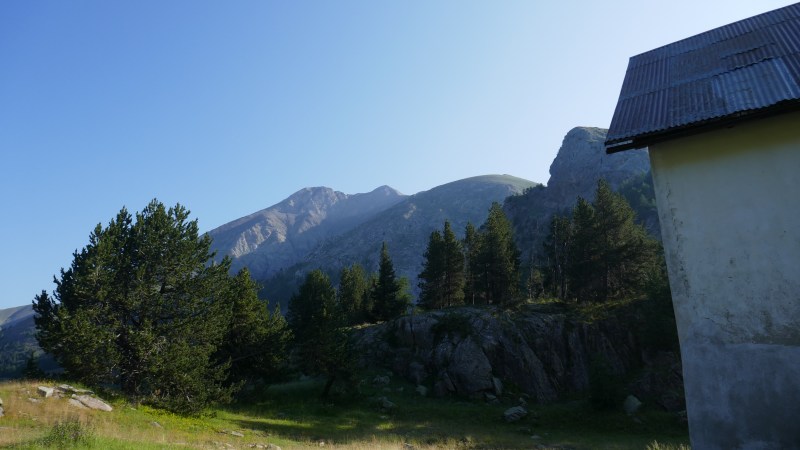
(729, 205)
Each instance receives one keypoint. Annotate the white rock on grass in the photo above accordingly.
(631, 405)
(93, 403)
(76, 403)
(44, 391)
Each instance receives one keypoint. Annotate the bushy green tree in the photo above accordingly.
(442, 277)
(390, 295)
(321, 341)
(143, 307)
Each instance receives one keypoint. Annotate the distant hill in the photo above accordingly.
(17, 339)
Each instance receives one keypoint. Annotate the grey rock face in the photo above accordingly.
(580, 163)
(542, 352)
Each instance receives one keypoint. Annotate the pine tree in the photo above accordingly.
(498, 259)
(472, 268)
(432, 277)
(354, 291)
(390, 297)
(557, 246)
(256, 340)
(600, 253)
(442, 277)
(321, 342)
(143, 307)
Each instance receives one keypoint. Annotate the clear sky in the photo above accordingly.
(230, 107)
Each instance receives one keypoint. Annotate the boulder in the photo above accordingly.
(422, 390)
(44, 391)
(514, 414)
(92, 402)
(76, 403)
(385, 403)
(2, 412)
(380, 380)
(631, 405)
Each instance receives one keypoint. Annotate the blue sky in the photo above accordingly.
(230, 107)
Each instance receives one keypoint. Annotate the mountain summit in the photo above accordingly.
(281, 235)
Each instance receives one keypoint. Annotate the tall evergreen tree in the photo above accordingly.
(442, 276)
(498, 259)
(321, 341)
(472, 268)
(354, 298)
(432, 277)
(256, 340)
(143, 306)
(389, 296)
(600, 253)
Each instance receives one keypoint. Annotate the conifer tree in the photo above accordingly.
(472, 268)
(321, 341)
(354, 289)
(389, 295)
(498, 259)
(143, 307)
(442, 277)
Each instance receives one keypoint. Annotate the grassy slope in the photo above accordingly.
(291, 416)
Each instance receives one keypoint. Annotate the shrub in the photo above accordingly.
(69, 433)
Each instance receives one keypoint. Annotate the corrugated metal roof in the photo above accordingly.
(748, 67)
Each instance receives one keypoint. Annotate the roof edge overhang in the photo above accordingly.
(647, 139)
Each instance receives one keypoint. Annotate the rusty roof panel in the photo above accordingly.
(747, 66)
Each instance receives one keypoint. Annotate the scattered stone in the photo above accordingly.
(2, 413)
(322, 443)
(491, 399)
(385, 403)
(631, 405)
(522, 401)
(386, 389)
(34, 400)
(400, 389)
(379, 380)
(156, 424)
(76, 403)
(273, 447)
(1, 402)
(536, 437)
(92, 402)
(514, 414)
(407, 446)
(422, 390)
(236, 433)
(44, 391)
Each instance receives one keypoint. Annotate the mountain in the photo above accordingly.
(405, 227)
(580, 163)
(283, 234)
(17, 339)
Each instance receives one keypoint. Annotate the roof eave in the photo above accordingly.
(730, 120)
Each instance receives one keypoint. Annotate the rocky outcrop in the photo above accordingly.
(580, 163)
(544, 352)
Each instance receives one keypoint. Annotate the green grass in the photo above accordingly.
(292, 415)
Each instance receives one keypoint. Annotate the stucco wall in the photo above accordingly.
(729, 205)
